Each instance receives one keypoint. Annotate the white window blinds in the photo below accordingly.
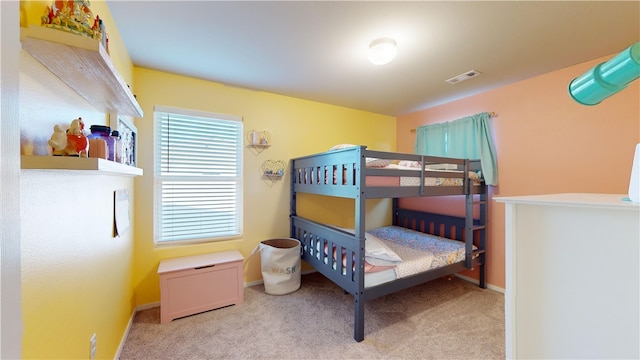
(198, 176)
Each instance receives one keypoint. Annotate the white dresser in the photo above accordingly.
(572, 277)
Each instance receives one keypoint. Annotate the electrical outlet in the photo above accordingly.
(92, 347)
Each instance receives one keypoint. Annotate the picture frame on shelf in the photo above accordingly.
(129, 137)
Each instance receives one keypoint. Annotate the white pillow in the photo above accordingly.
(380, 163)
(371, 162)
(341, 146)
(408, 163)
(376, 251)
(441, 166)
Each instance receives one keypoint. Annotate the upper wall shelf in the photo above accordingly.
(97, 165)
(84, 65)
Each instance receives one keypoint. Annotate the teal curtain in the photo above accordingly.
(470, 137)
(432, 140)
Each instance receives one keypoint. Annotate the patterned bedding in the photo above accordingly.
(444, 180)
(419, 252)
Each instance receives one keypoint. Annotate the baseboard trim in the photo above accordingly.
(477, 282)
(126, 331)
(125, 335)
(253, 283)
(147, 306)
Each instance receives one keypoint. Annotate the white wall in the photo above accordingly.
(10, 292)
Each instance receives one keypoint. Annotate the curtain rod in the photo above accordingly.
(491, 114)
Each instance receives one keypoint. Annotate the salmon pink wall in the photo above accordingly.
(545, 143)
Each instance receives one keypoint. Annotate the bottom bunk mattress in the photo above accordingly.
(394, 252)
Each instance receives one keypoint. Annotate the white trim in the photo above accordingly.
(148, 306)
(125, 335)
(477, 282)
(234, 128)
(123, 340)
(254, 283)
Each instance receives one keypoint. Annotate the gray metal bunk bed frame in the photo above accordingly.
(343, 173)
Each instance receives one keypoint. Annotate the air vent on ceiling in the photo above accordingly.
(462, 77)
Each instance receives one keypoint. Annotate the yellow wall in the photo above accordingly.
(298, 128)
(76, 278)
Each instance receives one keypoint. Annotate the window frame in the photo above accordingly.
(158, 178)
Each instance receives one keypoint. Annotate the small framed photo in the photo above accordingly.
(128, 136)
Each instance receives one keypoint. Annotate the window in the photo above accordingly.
(197, 176)
(470, 137)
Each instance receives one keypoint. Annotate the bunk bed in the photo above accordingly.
(360, 174)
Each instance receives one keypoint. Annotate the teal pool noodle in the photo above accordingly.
(607, 78)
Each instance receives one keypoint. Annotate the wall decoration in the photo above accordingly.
(75, 17)
(259, 140)
(128, 137)
(259, 137)
(122, 209)
(273, 169)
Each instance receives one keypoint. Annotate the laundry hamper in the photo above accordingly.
(280, 264)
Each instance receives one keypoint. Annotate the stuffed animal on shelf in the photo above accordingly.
(71, 142)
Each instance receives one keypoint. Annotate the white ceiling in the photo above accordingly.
(317, 50)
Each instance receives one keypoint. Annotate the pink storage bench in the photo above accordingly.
(193, 284)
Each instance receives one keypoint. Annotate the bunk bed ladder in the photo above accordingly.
(476, 226)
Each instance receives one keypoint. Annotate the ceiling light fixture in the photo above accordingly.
(382, 51)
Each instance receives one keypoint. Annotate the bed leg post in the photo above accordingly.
(358, 325)
(483, 276)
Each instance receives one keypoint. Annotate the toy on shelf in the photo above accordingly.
(273, 168)
(71, 142)
(259, 138)
(74, 16)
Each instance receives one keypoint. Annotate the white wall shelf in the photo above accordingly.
(84, 65)
(67, 163)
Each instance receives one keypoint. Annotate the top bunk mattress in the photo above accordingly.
(347, 172)
(445, 177)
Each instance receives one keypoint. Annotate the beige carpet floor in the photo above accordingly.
(448, 318)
